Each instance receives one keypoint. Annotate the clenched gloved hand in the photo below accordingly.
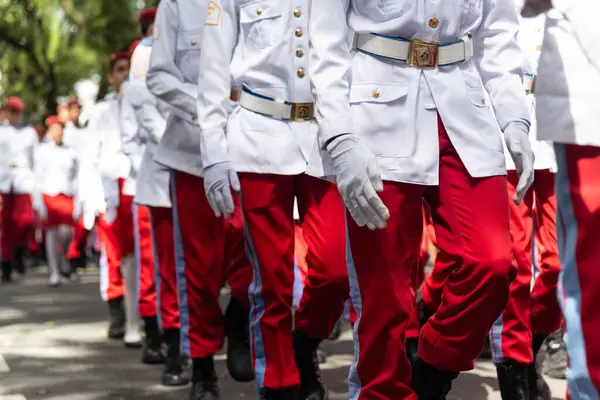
(219, 179)
(516, 136)
(358, 180)
(39, 206)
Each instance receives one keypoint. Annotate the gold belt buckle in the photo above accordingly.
(302, 112)
(423, 54)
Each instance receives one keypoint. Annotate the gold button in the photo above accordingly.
(433, 22)
(376, 94)
(258, 11)
(193, 42)
(300, 73)
(297, 13)
(538, 47)
(299, 32)
(194, 117)
(299, 53)
(483, 101)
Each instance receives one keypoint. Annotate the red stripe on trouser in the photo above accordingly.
(268, 205)
(17, 223)
(238, 268)
(474, 294)
(582, 166)
(109, 239)
(162, 226)
(546, 316)
(145, 255)
(204, 239)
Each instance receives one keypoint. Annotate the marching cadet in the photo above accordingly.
(142, 282)
(201, 239)
(152, 191)
(269, 139)
(115, 226)
(17, 144)
(56, 173)
(567, 106)
(418, 111)
(63, 114)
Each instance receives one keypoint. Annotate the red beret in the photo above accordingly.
(147, 16)
(51, 120)
(73, 102)
(116, 56)
(15, 103)
(132, 47)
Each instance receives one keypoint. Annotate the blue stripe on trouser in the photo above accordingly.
(354, 383)
(137, 252)
(184, 317)
(156, 274)
(257, 307)
(496, 340)
(298, 283)
(579, 384)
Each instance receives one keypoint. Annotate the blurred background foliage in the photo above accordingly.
(47, 46)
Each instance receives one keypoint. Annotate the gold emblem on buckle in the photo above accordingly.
(423, 54)
(302, 112)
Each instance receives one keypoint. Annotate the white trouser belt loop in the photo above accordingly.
(416, 52)
(276, 108)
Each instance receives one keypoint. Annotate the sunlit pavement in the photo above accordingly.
(53, 346)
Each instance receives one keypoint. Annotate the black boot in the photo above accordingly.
(431, 383)
(239, 361)
(204, 380)
(305, 354)
(512, 378)
(19, 259)
(6, 273)
(412, 350)
(116, 329)
(153, 351)
(279, 394)
(176, 372)
(538, 387)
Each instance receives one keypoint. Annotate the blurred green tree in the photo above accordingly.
(46, 46)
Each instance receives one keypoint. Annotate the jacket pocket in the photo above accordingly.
(188, 54)
(259, 23)
(383, 10)
(382, 119)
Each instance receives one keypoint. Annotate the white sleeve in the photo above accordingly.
(329, 67)
(500, 61)
(214, 80)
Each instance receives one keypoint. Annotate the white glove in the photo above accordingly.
(219, 179)
(39, 206)
(358, 180)
(516, 136)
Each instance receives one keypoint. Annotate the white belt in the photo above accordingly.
(529, 82)
(276, 108)
(415, 52)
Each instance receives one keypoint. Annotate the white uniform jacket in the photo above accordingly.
(133, 136)
(530, 38)
(152, 178)
(56, 169)
(568, 100)
(173, 77)
(393, 108)
(17, 147)
(261, 45)
(104, 158)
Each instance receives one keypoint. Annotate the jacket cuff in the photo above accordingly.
(213, 148)
(331, 128)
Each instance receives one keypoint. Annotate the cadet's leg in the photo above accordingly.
(267, 205)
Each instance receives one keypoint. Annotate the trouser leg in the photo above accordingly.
(144, 253)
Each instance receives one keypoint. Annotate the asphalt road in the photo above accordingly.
(53, 346)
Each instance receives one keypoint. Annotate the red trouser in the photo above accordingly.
(146, 267)
(530, 311)
(79, 242)
(578, 226)
(380, 267)
(164, 242)
(268, 205)
(17, 223)
(117, 240)
(203, 244)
